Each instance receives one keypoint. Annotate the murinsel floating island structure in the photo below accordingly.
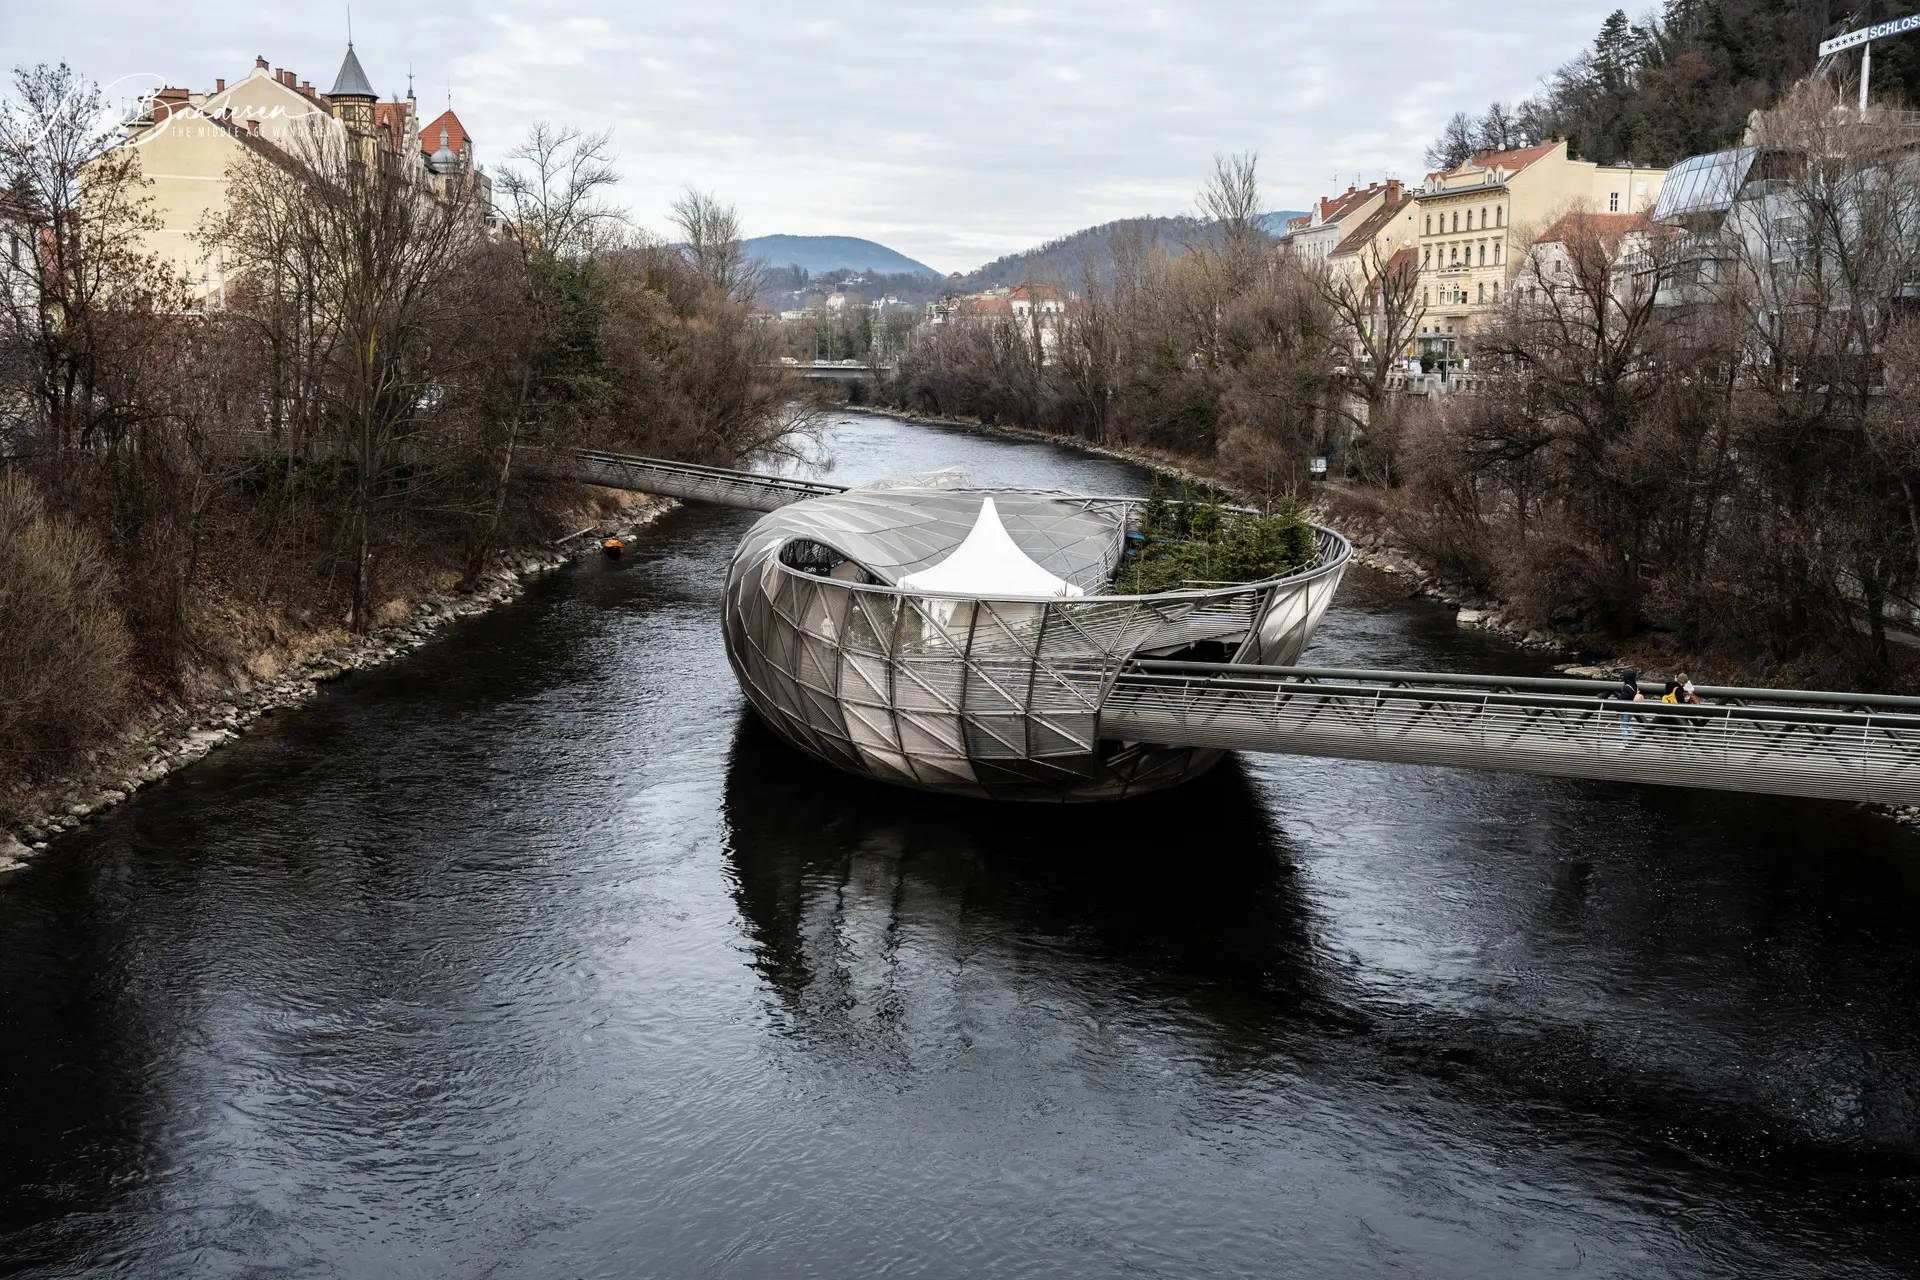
(1026, 644)
(932, 633)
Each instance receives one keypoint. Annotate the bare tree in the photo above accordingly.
(551, 192)
(1230, 204)
(1498, 130)
(1378, 307)
(382, 260)
(714, 244)
(1456, 143)
(74, 298)
(551, 205)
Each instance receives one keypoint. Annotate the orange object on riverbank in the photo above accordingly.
(613, 547)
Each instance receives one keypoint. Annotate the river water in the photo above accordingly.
(533, 955)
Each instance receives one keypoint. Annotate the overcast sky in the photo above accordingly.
(952, 132)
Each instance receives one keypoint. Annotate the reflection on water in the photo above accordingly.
(836, 874)
(533, 954)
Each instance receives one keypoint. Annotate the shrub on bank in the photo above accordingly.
(65, 672)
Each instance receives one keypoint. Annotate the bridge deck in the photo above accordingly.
(684, 480)
(1826, 745)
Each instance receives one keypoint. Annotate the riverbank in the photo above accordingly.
(173, 733)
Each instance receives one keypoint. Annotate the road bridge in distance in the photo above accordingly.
(836, 370)
(1838, 746)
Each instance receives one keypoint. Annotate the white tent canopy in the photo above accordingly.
(989, 566)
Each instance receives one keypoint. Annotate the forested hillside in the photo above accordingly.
(1069, 258)
(819, 255)
(1685, 79)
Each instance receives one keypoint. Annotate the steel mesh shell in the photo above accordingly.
(999, 699)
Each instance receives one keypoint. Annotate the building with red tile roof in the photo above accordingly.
(1478, 220)
(1333, 217)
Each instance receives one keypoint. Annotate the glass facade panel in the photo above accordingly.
(1703, 185)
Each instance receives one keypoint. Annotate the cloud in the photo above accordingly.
(953, 133)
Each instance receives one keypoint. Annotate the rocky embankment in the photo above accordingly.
(1471, 609)
(171, 735)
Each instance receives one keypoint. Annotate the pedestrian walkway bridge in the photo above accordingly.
(1789, 742)
(684, 480)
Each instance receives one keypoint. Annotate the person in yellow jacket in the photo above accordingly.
(1679, 690)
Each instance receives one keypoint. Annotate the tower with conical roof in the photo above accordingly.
(351, 100)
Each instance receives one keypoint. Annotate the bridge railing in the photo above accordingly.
(1788, 742)
(686, 480)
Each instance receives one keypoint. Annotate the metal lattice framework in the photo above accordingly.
(998, 698)
(1829, 745)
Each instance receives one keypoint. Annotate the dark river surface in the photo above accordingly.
(533, 955)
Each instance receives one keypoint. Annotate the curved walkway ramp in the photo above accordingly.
(1788, 742)
(683, 480)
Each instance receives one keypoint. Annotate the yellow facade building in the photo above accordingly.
(1477, 221)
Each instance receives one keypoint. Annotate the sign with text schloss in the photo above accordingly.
(1879, 31)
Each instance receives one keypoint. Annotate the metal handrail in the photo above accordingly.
(718, 473)
(1726, 694)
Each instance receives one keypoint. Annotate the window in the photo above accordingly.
(1426, 257)
(1483, 293)
(1483, 255)
(1496, 253)
(1456, 219)
(1429, 224)
(1613, 202)
(1423, 297)
(1500, 216)
(1469, 219)
(1496, 291)
(1456, 256)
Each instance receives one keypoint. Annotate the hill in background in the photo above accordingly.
(802, 270)
(1068, 259)
(819, 255)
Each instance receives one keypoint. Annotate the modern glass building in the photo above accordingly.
(934, 634)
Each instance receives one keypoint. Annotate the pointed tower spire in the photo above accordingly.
(352, 81)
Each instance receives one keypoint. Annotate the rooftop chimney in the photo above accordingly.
(220, 85)
(168, 101)
(259, 63)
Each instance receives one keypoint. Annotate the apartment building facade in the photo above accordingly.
(1316, 237)
(1372, 241)
(188, 143)
(1476, 222)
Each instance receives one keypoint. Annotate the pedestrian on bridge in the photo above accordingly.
(1680, 691)
(1629, 691)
